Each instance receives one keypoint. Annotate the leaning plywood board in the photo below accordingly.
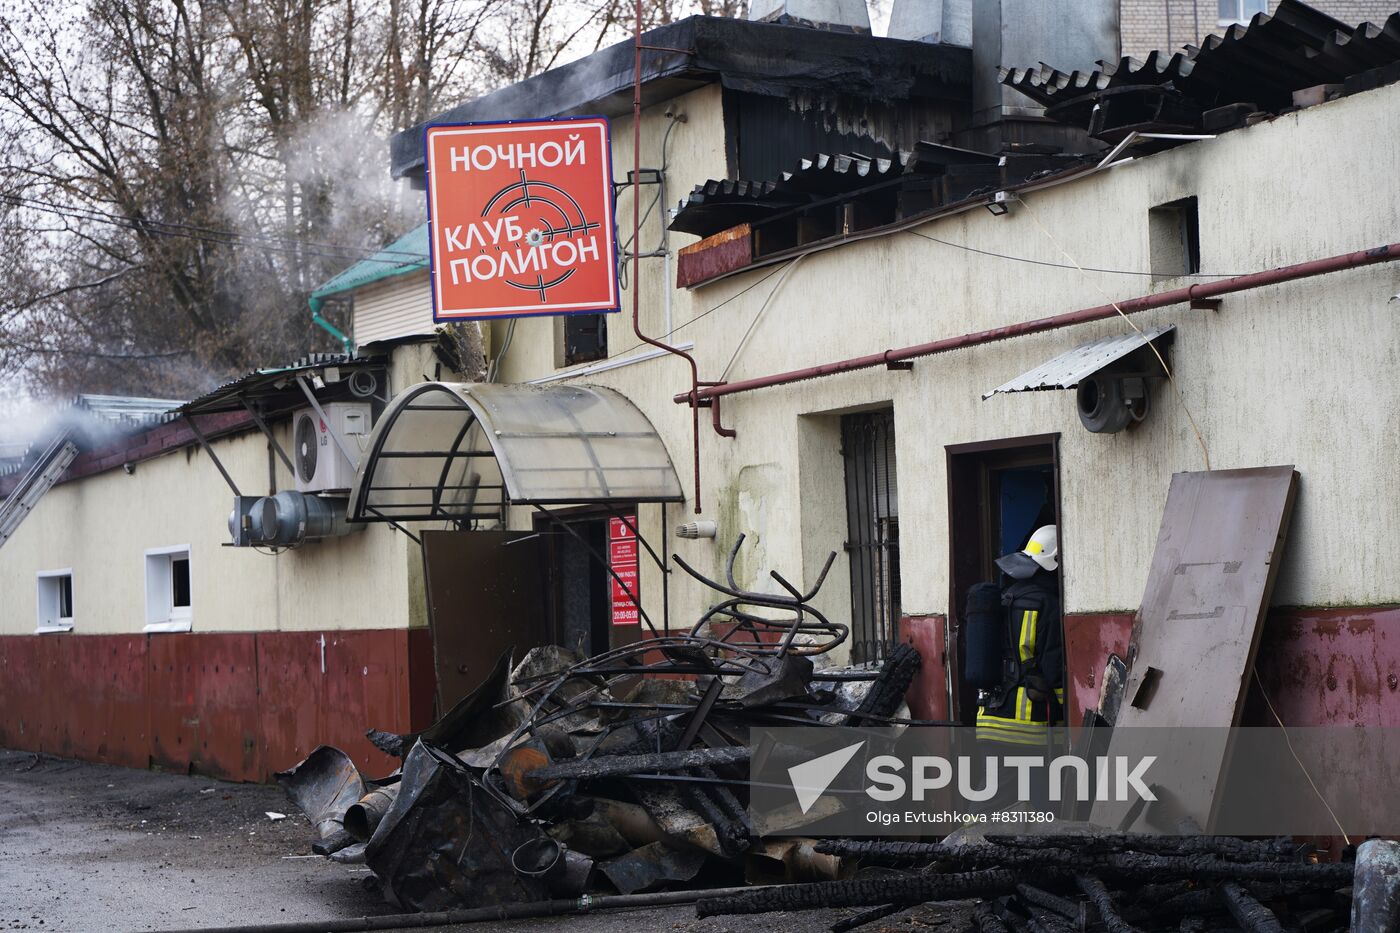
(1196, 635)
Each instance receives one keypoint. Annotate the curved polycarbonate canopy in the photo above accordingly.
(461, 451)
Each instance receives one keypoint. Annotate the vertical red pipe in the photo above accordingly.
(637, 251)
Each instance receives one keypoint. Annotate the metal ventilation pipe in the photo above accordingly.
(699, 529)
(291, 517)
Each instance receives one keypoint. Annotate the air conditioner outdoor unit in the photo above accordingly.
(320, 464)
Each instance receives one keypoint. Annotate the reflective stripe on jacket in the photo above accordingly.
(1035, 655)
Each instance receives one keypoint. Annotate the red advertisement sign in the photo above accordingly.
(622, 556)
(520, 218)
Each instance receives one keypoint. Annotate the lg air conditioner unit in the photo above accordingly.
(320, 464)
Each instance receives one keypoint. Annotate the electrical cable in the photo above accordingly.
(1171, 377)
(622, 253)
(1062, 265)
(1301, 767)
(761, 308)
(688, 321)
(167, 229)
(494, 369)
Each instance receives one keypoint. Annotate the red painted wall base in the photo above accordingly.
(928, 697)
(239, 706)
(1320, 667)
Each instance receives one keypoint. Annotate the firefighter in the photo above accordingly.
(1022, 696)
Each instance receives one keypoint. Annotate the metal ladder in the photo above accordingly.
(40, 478)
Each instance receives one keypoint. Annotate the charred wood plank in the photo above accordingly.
(1097, 893)
(1044, 921)
(1230, 847)
(1251, 915)
(622, 765)
(1071, 910)
(887, 693)
(867, 916)
(906, 890)
(1132, 865)
(985, 919)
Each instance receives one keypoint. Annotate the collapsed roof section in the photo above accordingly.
(758, 58)
(1296, 57)
(92, 421)
(1254, 69)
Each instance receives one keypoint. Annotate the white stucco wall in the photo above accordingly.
(101, 526)
(1295, 373)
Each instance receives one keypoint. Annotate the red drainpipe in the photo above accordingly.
(1200, 292)
(637, 252)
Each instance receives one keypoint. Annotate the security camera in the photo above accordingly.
(129, 467)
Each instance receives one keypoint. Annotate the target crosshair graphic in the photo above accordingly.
(529, 198)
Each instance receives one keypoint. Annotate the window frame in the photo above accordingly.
(162, 615)
(48, 580)
(1239, 18)
(871, 482)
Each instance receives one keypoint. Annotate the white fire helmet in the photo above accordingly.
(1041, 552)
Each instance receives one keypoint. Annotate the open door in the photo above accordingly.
(999, 492)
(485, 594)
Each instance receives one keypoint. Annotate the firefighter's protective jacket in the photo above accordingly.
(1031, 695)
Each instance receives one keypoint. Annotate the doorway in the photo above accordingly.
(999, 492)
(589, 611)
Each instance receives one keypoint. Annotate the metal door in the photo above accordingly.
(485, 594)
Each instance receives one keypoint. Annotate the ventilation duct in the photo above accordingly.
(945, 22)
(842, 15)
(287, 519)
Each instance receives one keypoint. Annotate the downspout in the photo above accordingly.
(316, 305)
(692, 396)
(1190, 293)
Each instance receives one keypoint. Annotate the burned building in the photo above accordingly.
(937, 293)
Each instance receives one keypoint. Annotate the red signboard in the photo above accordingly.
(520, 218)
(622, 557)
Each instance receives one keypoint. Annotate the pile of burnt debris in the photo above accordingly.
(572, 783)
(627, 771)
(1114, 882)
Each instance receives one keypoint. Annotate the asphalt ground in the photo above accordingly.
(90, 847)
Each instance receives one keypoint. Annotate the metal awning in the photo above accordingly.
(448, 451)
(1069, 369)
(275, 390)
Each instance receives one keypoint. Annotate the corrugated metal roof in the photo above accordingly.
(263, 382)
(1262, 62)
(92, 418)
(408, 253)
(1068, 369)
(128, 410)
(718, 204)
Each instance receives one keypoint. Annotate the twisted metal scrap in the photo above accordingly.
(796, 603)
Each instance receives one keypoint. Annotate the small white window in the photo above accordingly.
(55, 601)
(1240, 11)
(168, 589)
